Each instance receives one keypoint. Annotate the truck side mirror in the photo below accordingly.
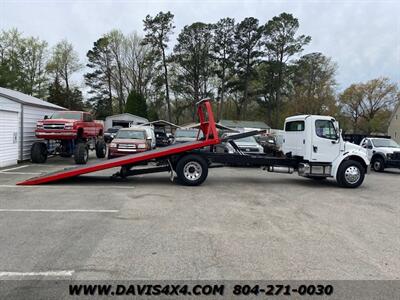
(46, 117)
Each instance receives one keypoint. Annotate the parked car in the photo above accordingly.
(246, 145)
(183, 135)
(162, 138)
(269, 144)
(132, 140)
(111, 133)
(73, 133)
(383, 153)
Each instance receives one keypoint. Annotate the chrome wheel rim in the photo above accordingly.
(377, 165)
(192, 171)
(352, 174)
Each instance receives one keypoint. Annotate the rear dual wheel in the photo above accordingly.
(192, 170)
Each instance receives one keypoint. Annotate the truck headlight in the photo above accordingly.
(39, 125)
(68, 126)
(141, 146)
(113, 145)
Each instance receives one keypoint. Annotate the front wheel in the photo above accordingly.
(39, 152)
(350, 174)
(192, 170)
(378, 164)
(81, 154)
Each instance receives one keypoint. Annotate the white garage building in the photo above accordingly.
(18, 115)
(124, 120)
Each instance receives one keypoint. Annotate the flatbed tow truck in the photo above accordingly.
(312, 146)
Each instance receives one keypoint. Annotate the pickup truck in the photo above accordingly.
(68, 133)
(383, 153)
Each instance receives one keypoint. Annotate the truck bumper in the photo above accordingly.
(64, 135)
(391, 163)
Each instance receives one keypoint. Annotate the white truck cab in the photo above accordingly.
(383, 153)
(317, 143)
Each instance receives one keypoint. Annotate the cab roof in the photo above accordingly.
(304, 117)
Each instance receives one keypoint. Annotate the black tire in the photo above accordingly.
(39, 153)
(378, 164)
(81, 154)
(350, 174)
(101, 149)
(192, 170)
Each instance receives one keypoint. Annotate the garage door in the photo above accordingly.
(8, 138)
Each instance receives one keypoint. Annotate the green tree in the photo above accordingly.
(64, 62)
(100, 78)
(247, 56)
(116, 45)
(350, 101)
(192, 56)
(71, 99)
(313, 85)
(281, 44)
(222, 52)
(136, 104)
(369, 104)
(158, 29)
(22, 63)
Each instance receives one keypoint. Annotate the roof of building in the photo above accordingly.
(244, 124)
(127, 114)
(26, 99)
(396, 108)
(161, 123)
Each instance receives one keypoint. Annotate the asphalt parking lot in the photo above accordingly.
(240, 224)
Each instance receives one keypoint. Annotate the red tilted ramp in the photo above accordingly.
(207, 125)
(116, 162)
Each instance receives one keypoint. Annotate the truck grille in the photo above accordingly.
(53, 126)
(395, 156)
(127, 146)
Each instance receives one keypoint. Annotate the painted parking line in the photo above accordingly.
(19, 173)
(32, 274)
(15, 168)
(108, 187)
(62, 210)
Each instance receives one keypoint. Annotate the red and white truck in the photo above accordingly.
(68, 133)
(312, 146)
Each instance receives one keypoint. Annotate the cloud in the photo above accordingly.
(362, 37)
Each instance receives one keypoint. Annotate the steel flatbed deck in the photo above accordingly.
(207, 126)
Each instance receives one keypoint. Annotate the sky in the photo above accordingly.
(361, 37)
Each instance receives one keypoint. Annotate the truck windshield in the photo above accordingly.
(385, 143)
(248, 139)
(131, 134)
(186, 133)
(67, 115)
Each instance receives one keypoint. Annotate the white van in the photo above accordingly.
(149, 133)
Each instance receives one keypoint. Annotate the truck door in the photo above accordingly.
(367, 144)
(325, 142)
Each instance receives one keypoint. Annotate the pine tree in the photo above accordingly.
(136, 104)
